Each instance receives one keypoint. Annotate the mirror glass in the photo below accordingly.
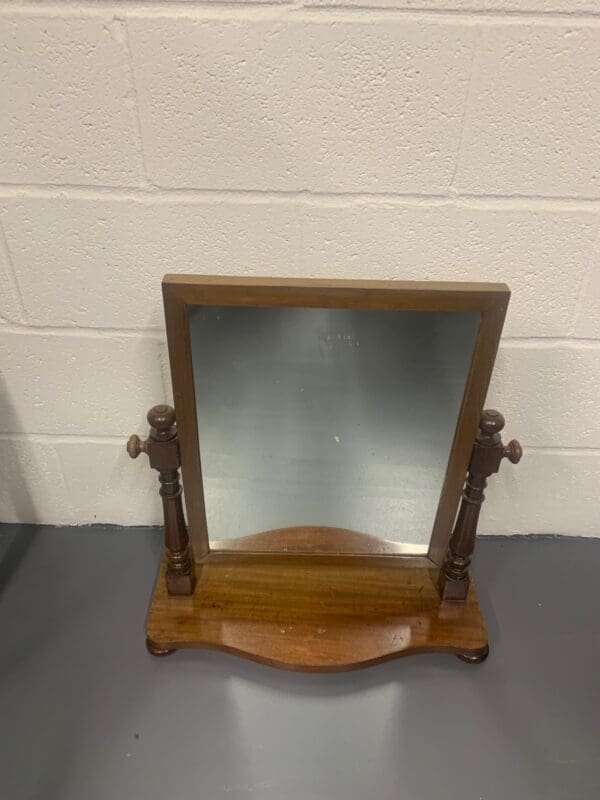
(327, 417)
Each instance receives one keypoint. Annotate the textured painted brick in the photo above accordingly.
(548, 394)
(10, 305)
(532, 120)
(588, 321)
(370, 104)
(112, 488)
(332, 106)
(107, 257)
(542, 255)
(75, 483)
(68, 113)
(32, 488)
(78, 385)
(522, 6)
(554, 493)
(165, 369)
(100, 263)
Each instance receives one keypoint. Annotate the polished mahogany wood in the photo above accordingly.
(182, 291)
(488, 453)
(162, 449)
(316, 613)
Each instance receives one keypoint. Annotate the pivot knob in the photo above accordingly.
(135, 446)
(513, 451)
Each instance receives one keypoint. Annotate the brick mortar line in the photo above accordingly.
(549, 343)
(471, 15)
(288, 9)
(67, 438)
(149, 334)
(158, 334)
(163, 195)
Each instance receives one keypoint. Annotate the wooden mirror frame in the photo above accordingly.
(429, 600)
(180, 292)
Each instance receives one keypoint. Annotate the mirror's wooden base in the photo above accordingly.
(316, 613)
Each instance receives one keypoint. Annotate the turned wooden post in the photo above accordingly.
(486, 458)
(162, 449)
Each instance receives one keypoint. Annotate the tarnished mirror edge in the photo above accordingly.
(181, 291)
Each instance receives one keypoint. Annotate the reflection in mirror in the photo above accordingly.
(327, 417)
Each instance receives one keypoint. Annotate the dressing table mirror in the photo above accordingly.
(334, 451)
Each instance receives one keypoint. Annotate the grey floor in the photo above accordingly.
(86, 714)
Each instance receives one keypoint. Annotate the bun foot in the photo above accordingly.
(154, 650)
(477, 658)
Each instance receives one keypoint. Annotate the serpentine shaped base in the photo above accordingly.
(316, 613)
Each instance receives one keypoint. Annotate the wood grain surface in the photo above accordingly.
(316, 612)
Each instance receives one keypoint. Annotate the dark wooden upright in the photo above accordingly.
(162, 448)
(487, 456)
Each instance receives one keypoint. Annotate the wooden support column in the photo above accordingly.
(487, 456)
(162, 449)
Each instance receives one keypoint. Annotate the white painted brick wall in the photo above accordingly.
(436, 139)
